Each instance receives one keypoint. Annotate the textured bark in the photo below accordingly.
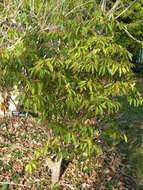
(55, 167)
(56, 172)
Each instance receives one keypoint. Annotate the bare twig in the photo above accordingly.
(133, 23)
(41, 7)
(15, 43)
(14, 16)
(51, 10)
(126, 9)
(32, 5)
(103, 5)
(81, 5)
(132, 37)
(13, 102)
(113, 9)
(18, 7)
(108, 85)
(64, 6)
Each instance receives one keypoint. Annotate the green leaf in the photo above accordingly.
(37, 154)
(74, 140)
(28, 168)
(44, 150)
(98, 150)
(33, 164)
(35, 107)
(125, 138)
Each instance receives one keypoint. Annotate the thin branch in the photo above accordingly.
(126, 9)
(32, 5)
(5, 19)
(19, 6)
(49, 28)
(51, 10)
(64, 7)
(14, 17)
(133, 23)
(132, 37)
(108, 85)
(103, 5)
(113, 9)
(45, 17)
(15, 43)
(78, 7)
(41, 7)
(13, 102)
(4, 4)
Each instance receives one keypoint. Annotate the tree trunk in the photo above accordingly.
(56, 172)
(55, 167)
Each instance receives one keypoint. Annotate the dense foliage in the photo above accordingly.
(132, 21)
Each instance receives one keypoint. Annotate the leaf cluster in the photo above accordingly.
(71, 77)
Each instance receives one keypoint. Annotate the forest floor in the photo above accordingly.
(18, 140)
(119, 168)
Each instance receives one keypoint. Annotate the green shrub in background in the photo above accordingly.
(132, 21)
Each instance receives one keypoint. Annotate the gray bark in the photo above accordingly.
(55, 167)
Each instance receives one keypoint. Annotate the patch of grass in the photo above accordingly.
(131, 122)
(18, 154)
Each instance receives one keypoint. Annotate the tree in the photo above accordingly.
(71, 72)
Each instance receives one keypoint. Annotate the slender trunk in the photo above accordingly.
(55, 167)
(56, 172)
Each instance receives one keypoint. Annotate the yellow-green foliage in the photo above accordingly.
(72, 75)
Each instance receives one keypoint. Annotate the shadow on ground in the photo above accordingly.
(131, 122)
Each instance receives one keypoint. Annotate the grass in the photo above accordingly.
(131, 121)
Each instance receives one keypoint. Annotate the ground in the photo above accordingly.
(131, 122)
(120, 168)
